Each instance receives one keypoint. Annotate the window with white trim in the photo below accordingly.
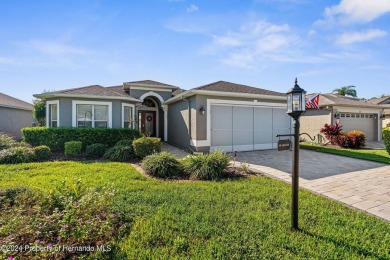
(53, 115)
(95, 116)
(127, 116)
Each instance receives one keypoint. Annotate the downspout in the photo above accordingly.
(189, 124)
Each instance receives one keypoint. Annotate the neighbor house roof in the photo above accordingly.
(148, 83)
(378, 101)
(224, 88)
(337, 100)
(11, 102)
(94, 91)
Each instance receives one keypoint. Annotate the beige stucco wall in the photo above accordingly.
(313, 120)
(12, 120)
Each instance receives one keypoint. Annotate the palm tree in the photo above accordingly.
(346, 91)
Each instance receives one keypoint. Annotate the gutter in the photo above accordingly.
(86, 96)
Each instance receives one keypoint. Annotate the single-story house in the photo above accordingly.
(385, 101)
(224, 115)
(15, 114)
(351, 113)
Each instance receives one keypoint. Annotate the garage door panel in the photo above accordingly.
(221, 126)
(242, 128)
(262, 128)
(362, 122)
(280, 124)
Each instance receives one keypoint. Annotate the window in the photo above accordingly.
(95, 116)
(348, 115)
(52, 113)
(91, 114)
(342, 115)
(127, 115)
(352, 115)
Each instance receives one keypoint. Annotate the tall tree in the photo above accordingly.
(346, 91)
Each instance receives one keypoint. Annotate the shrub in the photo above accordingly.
(56, 218)
(386, 138)
(145, 146)
(7, 141)
(120, 153)
(206, 166)
(356, 139)
(125, 142)
(331, 132)
(56, 137)
(73, 148)
(42, 152)
(163, 165)
(17, 155)
(95, 150)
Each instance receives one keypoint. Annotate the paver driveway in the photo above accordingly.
(358, 183)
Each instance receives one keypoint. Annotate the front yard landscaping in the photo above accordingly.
(236, 218)
(381, 156)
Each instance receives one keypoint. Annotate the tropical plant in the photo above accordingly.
(120, 153)
(162, 165)
(331, 132)
(346, 91)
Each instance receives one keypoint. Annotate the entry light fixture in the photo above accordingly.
(383, 117)
(202, 110)
(337, 115)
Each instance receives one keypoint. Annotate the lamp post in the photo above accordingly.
(296, 104)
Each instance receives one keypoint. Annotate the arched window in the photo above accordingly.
(148, 103)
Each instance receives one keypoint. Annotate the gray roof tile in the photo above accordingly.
(333, 99)
(224, 86)
(8, 101)
(94, 90)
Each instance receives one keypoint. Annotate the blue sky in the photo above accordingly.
(53, 45)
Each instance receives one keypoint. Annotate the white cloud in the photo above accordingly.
(192, 8)
(353, 37)
(356, 11)
(54, 48)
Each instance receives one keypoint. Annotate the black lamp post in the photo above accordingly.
(296, 104)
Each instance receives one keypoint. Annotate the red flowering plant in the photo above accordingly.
(332, 132)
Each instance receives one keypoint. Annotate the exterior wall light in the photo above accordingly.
(202, 110)
(337, 115)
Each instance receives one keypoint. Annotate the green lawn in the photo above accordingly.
(234, 219)
(366, 154)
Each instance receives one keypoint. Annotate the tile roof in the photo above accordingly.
(94, 90)
(151, 82)
(224, 86)
(378, 100)
(333, 99)
(8, 101)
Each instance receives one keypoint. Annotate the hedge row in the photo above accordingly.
(55, 138)
(386, 138)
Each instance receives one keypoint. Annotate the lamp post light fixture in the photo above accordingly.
(296, 106)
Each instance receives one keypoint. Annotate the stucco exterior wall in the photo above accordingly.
(313, 120)
(137, 93)
(65, 110)
(179, 124)
(12, 120)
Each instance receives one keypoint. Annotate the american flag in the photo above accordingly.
(313, 102)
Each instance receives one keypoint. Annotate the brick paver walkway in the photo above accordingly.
(358, 183)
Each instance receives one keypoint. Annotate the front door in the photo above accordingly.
(147, 122)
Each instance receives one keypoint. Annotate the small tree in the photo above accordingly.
(39, 112)
(331, 132)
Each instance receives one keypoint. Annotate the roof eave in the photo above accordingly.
(221, 94)
(353, 105)
(47, 95)
(16, 107)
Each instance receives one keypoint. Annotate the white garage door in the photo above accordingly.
(245, 128)
(366, 123)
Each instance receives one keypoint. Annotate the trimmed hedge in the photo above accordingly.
(386, 138)
(15, 155)
(55, 138)
(145, 146)
(120, 153)
(42, 153)
(73, 148)
(95, 150)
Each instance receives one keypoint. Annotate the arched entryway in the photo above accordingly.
(148, 117)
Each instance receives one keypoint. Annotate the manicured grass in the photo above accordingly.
(233, 218)
(366, 154)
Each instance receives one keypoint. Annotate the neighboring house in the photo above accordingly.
(385, 101)
(14, 115)
(351, 113)
(223, 115)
